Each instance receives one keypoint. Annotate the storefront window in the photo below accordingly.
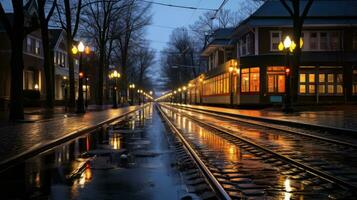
(276, 79)
(245, 80)
(254, 79)
(250, 79)
(217, 85)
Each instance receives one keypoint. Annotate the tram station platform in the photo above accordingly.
(18, 140)
(342, 117)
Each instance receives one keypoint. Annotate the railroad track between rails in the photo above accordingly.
(271, 156)
(211, 179)
(314, 133)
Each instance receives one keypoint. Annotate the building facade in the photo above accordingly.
(245, 66)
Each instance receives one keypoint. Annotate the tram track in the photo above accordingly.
(312, 132)
(296, 169)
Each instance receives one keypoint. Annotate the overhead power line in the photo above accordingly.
(178, 6)
(219, 8)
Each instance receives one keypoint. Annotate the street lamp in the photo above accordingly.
(65, 91)
(184, 94)
(288, 46)
(115, 75)
(132, 87)
(80, 49)
(201, 79)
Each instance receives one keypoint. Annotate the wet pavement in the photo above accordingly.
(21, 137)
(343, 117)
(129, 160)
(338, 160)
(253, 172)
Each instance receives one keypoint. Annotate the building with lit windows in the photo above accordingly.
(245, 66)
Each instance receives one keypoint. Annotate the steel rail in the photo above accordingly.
(311, 170)
(215, 185)
(280, 121)
(270, 126)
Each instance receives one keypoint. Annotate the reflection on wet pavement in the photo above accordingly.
(129, 160)
(250, 170)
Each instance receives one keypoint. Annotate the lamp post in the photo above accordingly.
(288, 46)
(184, 94)
(65, 91)
(201, 88)
(132, 87)
(86, 91)
(115, 75)
(80, 49)
(230, 85)
(180, 95)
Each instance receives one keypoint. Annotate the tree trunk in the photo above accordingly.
(17, 66)
(99, 99)
(48, 65)
(72, 91)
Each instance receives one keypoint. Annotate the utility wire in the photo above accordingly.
(178, 6)
(219, 8)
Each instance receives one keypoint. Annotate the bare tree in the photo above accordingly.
(179, 52)
(298, 15)
(99, 22)
(48, 64)
(135, 18)
(68, 16)
(22, 23)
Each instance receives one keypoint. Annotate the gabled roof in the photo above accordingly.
(220, 37)
(54, 35)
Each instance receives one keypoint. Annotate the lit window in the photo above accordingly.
(330, 89)
(276, 79)
(321, 78)
(322, 89)
(311, 89)
(254, 79)
(302, 89)
(302, 78)
(311, 78)
(245, 80)
(330, 78)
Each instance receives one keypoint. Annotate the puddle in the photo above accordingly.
(129, 160)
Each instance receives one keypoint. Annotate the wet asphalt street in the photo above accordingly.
(129, 160)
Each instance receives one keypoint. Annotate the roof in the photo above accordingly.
(319, 8)
(54, 35)
(322, 12)
(220, 37)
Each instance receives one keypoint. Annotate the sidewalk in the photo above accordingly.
(343, 117)
(22, 138)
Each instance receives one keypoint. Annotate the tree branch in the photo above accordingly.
(287, 7)
(76, 24)
(306, 11)
(50, 13)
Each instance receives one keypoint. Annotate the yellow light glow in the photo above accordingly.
(179, 89)
(36, 86)
(231, 69)
(87, 50)
(64, 77)
(292, 46)
(74, 50)
(281, 46)
(184, 88)
(81, 47)
(287, 42)
(301, 43)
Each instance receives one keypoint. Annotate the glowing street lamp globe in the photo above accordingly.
(81, 47)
